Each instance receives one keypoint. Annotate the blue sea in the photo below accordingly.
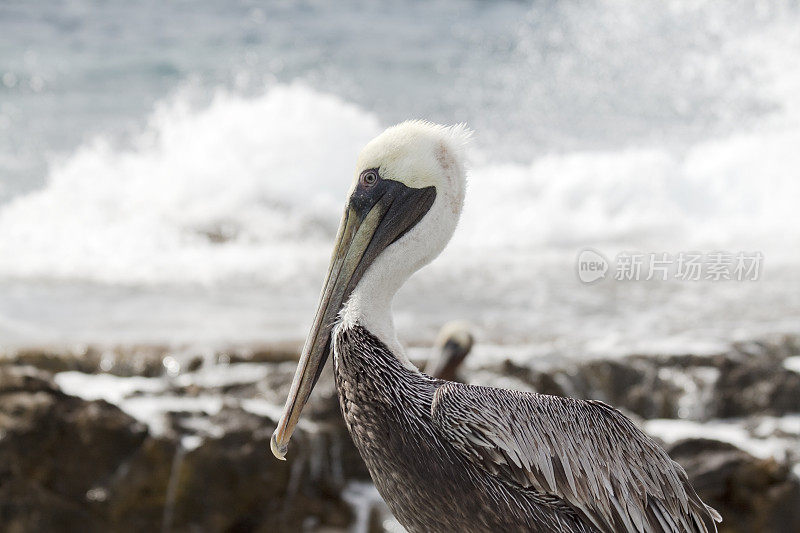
(175, 171)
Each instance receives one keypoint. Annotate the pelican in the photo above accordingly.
(447, 456)
(453, 344)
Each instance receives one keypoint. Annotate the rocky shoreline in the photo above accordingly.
(162, 439)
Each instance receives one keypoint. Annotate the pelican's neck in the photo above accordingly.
(370, 306)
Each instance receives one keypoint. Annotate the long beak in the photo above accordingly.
(374, 219)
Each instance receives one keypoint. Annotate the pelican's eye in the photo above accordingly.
(369, 177)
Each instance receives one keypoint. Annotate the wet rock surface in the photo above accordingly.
(57, 449)
(756, 387)
(752, 494)
(73, 464)
(152, 438)
(750, 379)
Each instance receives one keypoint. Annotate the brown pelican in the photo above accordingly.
(447, 456)
(453, 344)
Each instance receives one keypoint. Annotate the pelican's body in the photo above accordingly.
(428, 484)
(447, 456)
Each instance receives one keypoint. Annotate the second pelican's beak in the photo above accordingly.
(378, 214)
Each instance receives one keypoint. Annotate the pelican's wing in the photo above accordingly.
(584, 452)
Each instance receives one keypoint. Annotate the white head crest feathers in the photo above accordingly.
(416, 153)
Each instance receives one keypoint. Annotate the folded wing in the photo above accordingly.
(585, 453)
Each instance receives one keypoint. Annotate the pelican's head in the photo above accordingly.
(402, 209)
(452, 346)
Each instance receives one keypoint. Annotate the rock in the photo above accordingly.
(141, 359)
(27, 506)
(273, 353)
(634, 385)
(231, 482)
(234, 483)
(133, 360)
(57, 449)
(756, 387)
(749, 380)
(70, 464)
(80, 358)
(136, 498)
(771, 349)
(194, 364)
(752, 495)
(25, 379)
(543, 382)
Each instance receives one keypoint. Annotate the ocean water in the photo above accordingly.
(175, 173)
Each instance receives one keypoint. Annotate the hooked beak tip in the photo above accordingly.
(278, 450)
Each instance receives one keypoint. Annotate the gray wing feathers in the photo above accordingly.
(583, 452)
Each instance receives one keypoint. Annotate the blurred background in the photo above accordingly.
(172, 175)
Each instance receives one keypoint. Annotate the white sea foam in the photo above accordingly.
(792, 363)
(249, 190)
(756, 442)
(108, 387)
(267, 176)
(261, 173)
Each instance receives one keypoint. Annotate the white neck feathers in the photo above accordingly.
(438, 163)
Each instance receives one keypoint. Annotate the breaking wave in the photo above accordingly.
(251, 188)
